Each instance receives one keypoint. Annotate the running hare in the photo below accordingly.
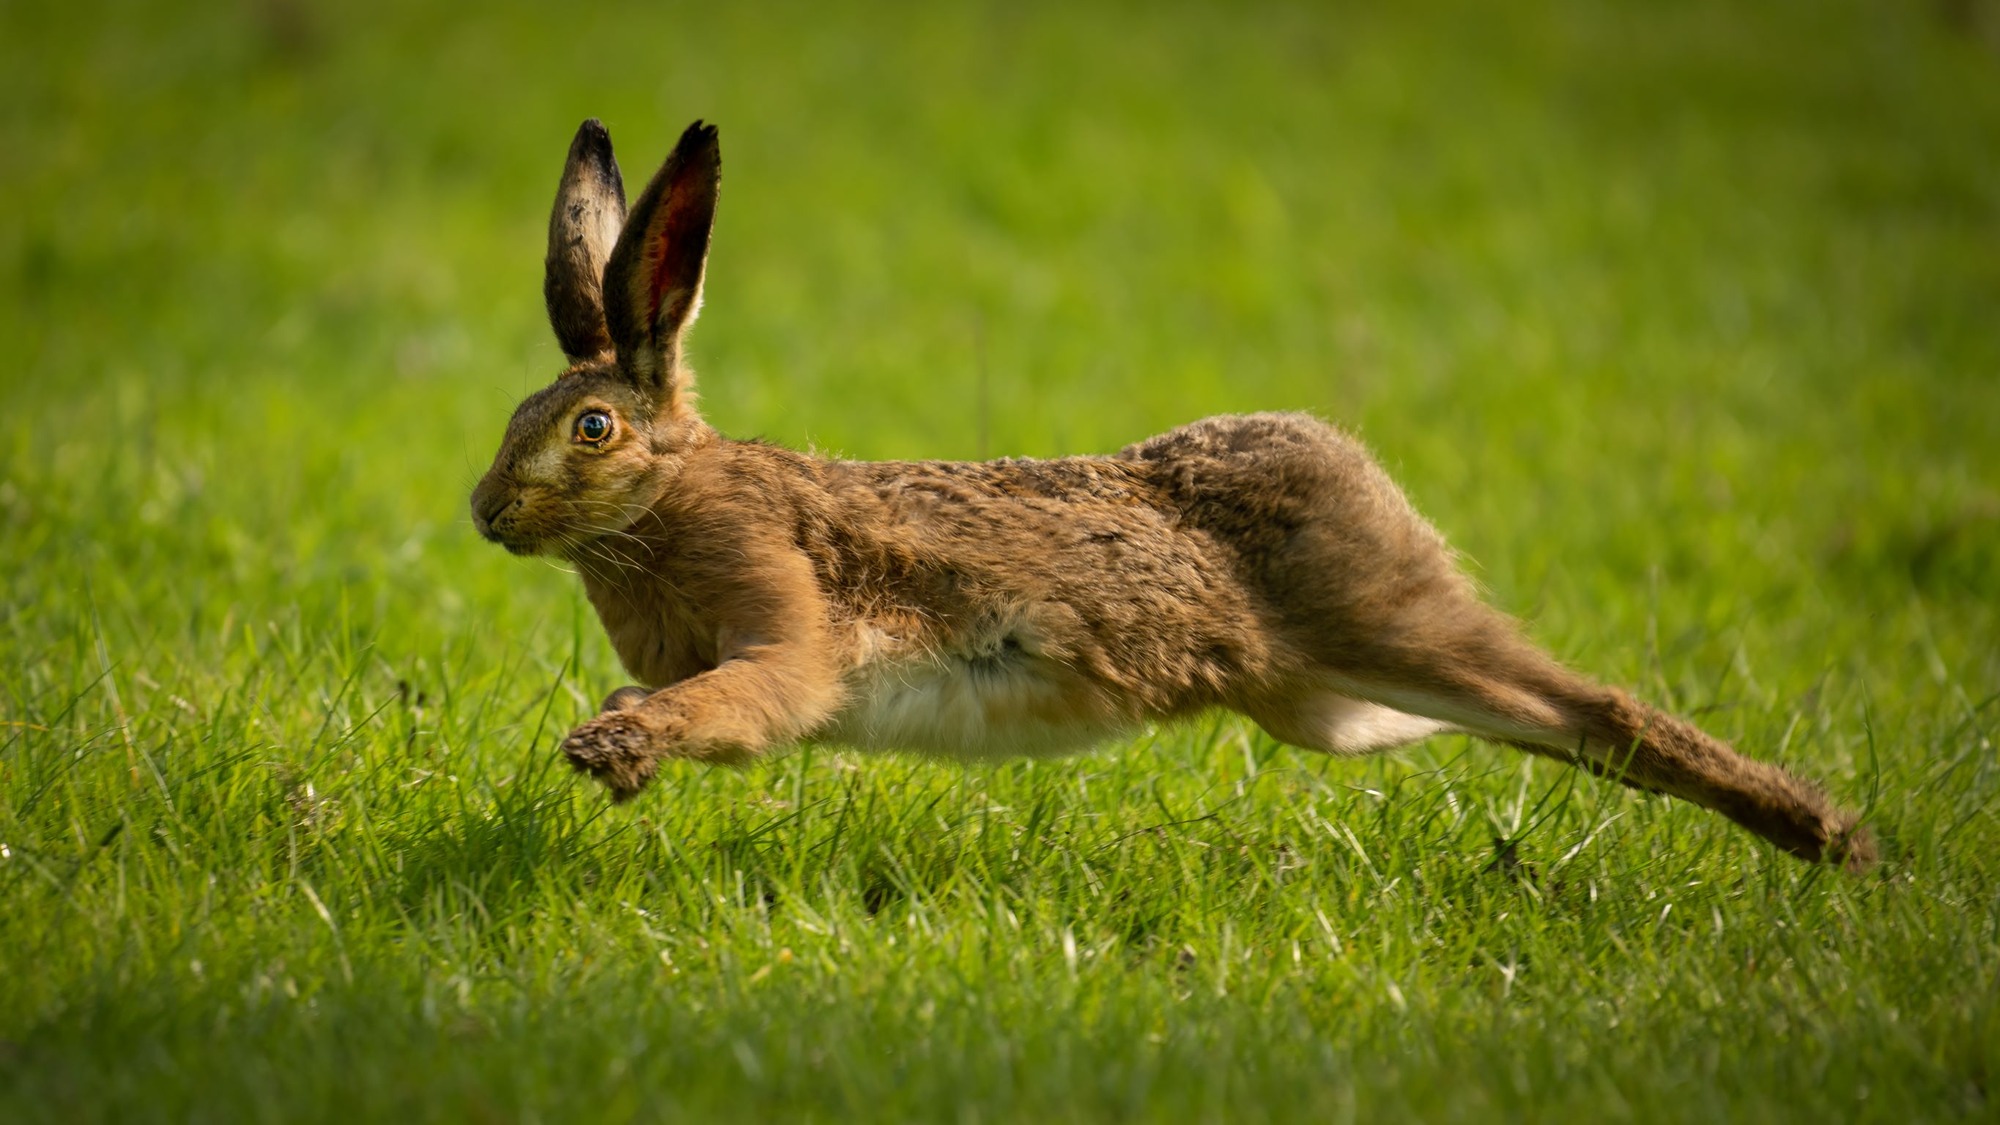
(1261, 563)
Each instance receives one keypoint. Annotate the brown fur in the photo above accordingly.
(1263, 564)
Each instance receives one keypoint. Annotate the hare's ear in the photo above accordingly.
(583, 227)
(653, 285)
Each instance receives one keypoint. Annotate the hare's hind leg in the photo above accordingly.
(1500, 687)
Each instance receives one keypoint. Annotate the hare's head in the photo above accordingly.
(584, 456)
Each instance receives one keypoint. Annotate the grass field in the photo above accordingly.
(1683, 321)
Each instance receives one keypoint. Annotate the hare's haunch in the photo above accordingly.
(1263, 564)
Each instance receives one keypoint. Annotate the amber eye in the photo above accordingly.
(593, 427)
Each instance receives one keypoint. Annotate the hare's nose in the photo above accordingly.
(486, 509)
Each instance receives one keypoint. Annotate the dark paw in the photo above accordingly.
(616, 749)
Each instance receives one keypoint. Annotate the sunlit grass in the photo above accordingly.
(1677, 321)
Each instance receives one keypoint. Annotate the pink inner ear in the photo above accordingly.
(676, 246)
(658, 290)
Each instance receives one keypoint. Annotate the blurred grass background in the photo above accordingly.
(1679, 320)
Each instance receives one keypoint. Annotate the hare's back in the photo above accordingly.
(1314, 524)
(1267, 475)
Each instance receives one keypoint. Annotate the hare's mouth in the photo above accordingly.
(517, 520)
(507, 533)
(516, 543)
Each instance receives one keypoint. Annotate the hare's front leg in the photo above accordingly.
(760, 696)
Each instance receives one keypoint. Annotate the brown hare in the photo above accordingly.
(1262, 563)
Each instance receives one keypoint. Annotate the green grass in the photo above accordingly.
(1679, 319)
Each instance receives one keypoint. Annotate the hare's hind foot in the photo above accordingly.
(1649, 748)
(1518, 696)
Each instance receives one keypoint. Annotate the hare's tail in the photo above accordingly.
(1498, 686)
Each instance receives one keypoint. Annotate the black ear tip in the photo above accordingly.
(696, 137)
(593, 140)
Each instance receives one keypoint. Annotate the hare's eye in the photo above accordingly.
(593, 427)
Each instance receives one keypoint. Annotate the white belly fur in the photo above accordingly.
(972, 708)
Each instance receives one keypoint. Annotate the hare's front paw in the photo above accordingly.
(617, 749)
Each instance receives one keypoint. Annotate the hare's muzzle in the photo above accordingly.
(492, 504)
